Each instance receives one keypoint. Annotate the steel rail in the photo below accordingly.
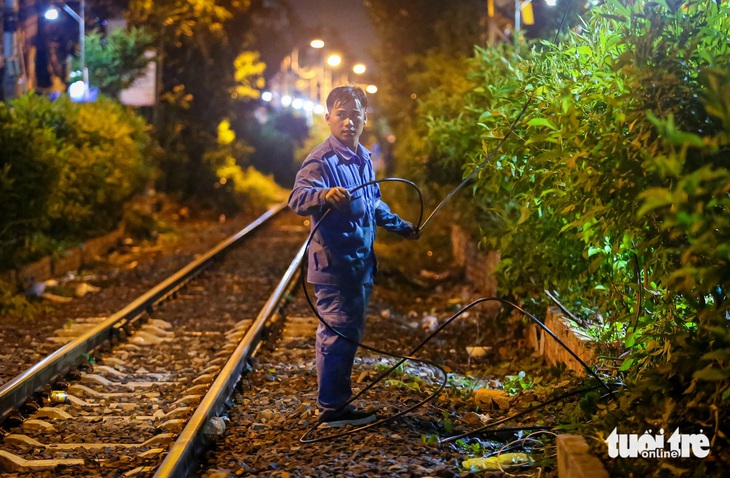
(58, 363)
(182, 458)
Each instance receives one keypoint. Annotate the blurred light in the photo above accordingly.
(359, 68)
(76, 90)
(334, 60)
(551, 3)
(318, 109)
(267, 96)
(297, 104)
(308, 105)
(51, 14)
(317, 43)
(286, 100)
(371, 89)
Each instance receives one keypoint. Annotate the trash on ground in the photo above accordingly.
(85, 288)
(430, 323)
(477, 351)
(491, 399)
(496, 463)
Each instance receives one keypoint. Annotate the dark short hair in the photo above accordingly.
(347, 92)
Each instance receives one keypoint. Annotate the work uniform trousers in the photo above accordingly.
(344, 309)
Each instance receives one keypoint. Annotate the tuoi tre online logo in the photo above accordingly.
(681, 445)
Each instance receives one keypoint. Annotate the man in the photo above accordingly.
(341, 258)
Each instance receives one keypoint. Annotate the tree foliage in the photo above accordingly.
(209, 69)
(117, 59)
(249, 75)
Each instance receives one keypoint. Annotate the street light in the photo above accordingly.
(359, 69)
(317, 43)
(519, 5)
(334, 60)
(52, 14)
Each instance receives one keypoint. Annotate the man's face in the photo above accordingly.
(346, 121)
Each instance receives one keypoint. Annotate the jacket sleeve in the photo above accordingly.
(390, 221)
(310, 187)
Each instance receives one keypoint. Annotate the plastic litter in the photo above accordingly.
(496, 463)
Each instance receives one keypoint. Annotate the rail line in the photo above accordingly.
(139, 399)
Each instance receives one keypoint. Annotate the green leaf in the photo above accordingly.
(541, 122)
(626, 364)
(655, 198)
(524, 214)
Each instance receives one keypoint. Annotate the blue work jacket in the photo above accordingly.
(341, 251)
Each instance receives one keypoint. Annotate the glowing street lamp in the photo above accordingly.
(372, 89)
(334, 60)
(52, 14)
(317, 43)
(359, 69)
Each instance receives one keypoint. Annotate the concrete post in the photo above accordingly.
(10, 49)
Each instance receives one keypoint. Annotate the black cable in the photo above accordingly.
(481, 165)
(565, 309)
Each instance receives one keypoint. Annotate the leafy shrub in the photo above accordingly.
(13, 304)
(29, 158)
(613, 190)
(564, 192)
(117, 59)
(108, 162)
(66, 169)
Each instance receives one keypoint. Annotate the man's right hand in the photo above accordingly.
(337, 196)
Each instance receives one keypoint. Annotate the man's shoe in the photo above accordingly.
(346, 417)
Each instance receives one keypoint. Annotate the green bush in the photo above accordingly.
(66, 169)
(560, 200)
(109, 161)
(613, 190)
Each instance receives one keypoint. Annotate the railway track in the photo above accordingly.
(154, 375)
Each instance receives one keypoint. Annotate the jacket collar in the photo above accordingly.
(346, 153)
